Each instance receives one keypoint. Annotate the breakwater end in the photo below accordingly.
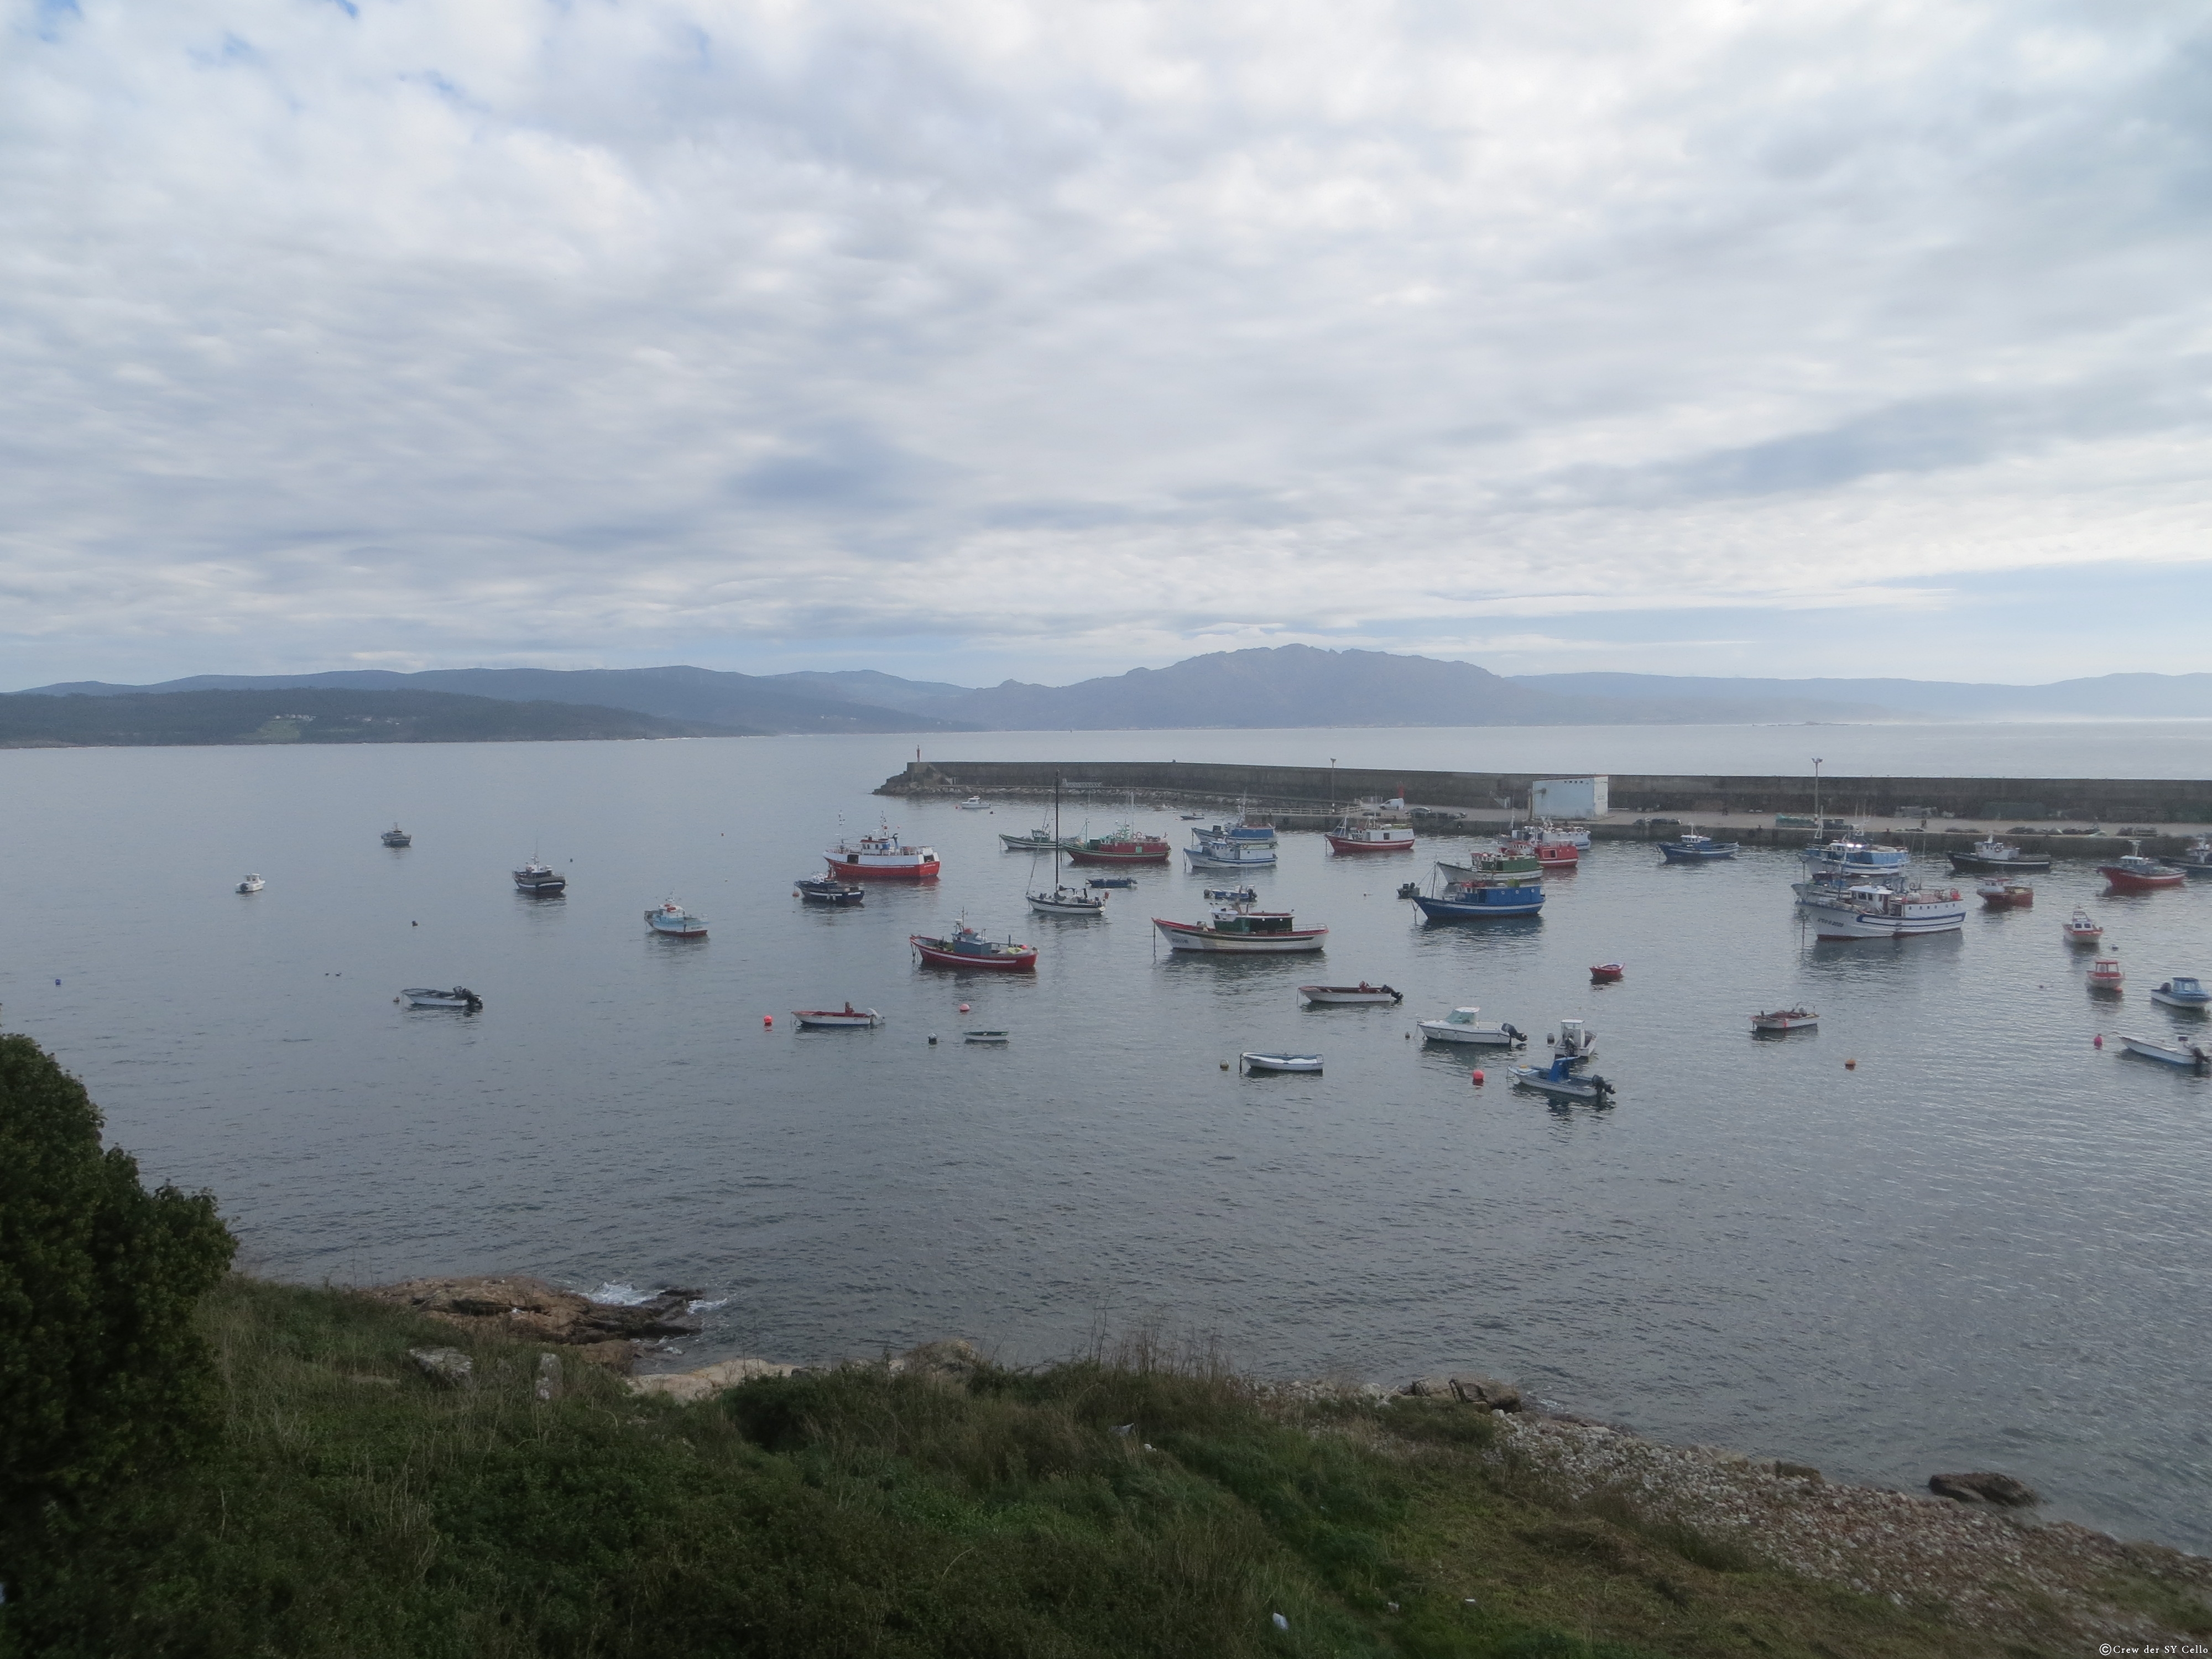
(1951, 813)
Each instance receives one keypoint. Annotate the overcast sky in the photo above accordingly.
(976, 338)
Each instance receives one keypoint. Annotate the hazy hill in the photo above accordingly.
(2143, 696)
(316, 714)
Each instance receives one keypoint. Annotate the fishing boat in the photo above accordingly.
(1240, 930)
(882, 857)
(1361, 993)
(2105, 973)
(2002, 893)
(1573, 1044)
(540, 878)
(252, 884)
(1694, 848)
(1039, 840)
(1257, 1062)
(1370, 835)
(1576, 836)
(1231, 895)
(1855, 858)
(1561, 1082)
(671, 918)
(973, 803)
(395, 837)
(1490, 887)
(989, 1039)
(1994, 857)
(1244, 830)
(458, 1000)
(827, 890)
(966, 948)
(2182, 992)
(1865, 910)
(2081, 928)
(1608, 973)
(2137, 874)
(1062, 900)
(1461, 1025)
(1111, 881)
(1784, 1019)
(1124, 846)
(1232, 854)
(2197, 860)
(1548, 854)
(2193, 1055)
(847, 1018)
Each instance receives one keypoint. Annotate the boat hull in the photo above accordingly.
(1309, 1065)
(1674, 855)
(1352, 844)
(1974, 864)
(1135, 855)
(1834, 921)
(936, 956)
(2140, 881)
(2191, 1057)
(1351, 995)
(852, 869)
(1191, 936)
(1508, 901)
(1473, 1036)
(819, 1019)
(1252, 855)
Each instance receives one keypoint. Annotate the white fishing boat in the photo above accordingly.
(1462, 1025)
(1784, 1019)
(671, 918)
(847, 1018)
(1240, 930)
(252, 884)
(2183, 992)
(1371, 834)
(1361, 993)
(1259, 1062)
(1856, 858)
(1062, 900)
(2082, 928)
(882, 857)
(2191, 1055)
(1863, 910)
(1561, 1082)
(973, 803)
(1226, 854)
(460, 999)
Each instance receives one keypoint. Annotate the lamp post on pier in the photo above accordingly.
(1817, 820)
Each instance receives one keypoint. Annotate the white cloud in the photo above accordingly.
(1067, 336)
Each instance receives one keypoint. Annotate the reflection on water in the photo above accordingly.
(1930, 1260)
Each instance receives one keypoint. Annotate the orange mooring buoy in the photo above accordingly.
(1476, 1079)
(769, 1020)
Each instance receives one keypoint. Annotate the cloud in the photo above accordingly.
(1053, 338)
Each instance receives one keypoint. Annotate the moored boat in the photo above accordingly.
(1856, 858)
(1124, 846)
(1361, 993)
(2003, 893)
(1694, 848)
(671, 918)
(1260, 1062)
(252, 884)
(458, 1000)
(1039, 840)
(1562, 1082)
(827, 890)
(989, 1039)
(1487, 888)
(1608, 973)
(1997, 857)
(2197, 860)
(1370, 835)
(2137, 874)
(2183, 992)
(1548, 854)
(1863, 910)
(2081, 928)
(1068, 902)
(882, 857)
(1111, 881)
(1573, 1043)
(1784, 1019)
(2192, 1055)
(540, 878)
(1240, 930)
(1225, 854)
(973, 803)
(966, 948)
(2105, 973)
(847, 1018)
(1461, 1025)
(1229, 895)
(395, 837)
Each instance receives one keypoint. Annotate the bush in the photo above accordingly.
(102, 1374)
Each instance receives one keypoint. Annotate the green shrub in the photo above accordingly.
(102, 1374)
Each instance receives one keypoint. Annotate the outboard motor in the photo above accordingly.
(1519, 1040)
(475, 1002)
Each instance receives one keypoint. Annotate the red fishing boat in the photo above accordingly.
(1550, 854)
(1124, 846)
(966, 948)
(882, 857)
(2137, 874)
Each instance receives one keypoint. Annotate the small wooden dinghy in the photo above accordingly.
(1607, 973)
(1360, 993)
(993, 1039)
(1259, 1063)
(1784, 1019)
(847, 1018)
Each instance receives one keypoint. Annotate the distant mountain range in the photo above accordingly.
(1290, 685)
(317, 715)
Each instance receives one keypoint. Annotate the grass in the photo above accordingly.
(356, 1508)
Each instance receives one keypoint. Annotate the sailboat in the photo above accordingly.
(1064, 900)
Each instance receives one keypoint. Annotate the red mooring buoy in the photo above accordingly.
(2099, 1039)
(1476, 1079)
(1850, 1065)
(769, 1020)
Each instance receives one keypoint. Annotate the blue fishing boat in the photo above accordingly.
(1226, 853)
(1492, 887)
(1854, 858)
(1694, 848)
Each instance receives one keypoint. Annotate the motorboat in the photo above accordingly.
(2105, 973)
(2082, 928)
(1994, 857)
(827, 890)
(991, 1039)
(2183, 992)
(1370, 836)
(847, 1018)
(1111, 881)
(1240, 930)
(395, 837)
(1225, 854)
(540, 878)
(1256, 1063)
(1361, 993)
(1608, 973)
(1039, 840)
(458, 1000)
(1694, 848)
(2003, 893)
(2193, 1055)
(1124, 846)
(1561, 1082)
(1461, 1025)
(966, 948)
(252, 884)
(671, 918)
(2137, 874)
(1784, 1019)
(1574, 1044)
(1229, 895)
(882, 857)
(1864, 910)
(973, 803)
(2197, 860)
(1068, 902)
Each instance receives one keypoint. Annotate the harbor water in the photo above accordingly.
(1984, 1244)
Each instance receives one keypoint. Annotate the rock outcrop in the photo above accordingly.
(1984, 1486)
(605, 1333)
(447, 1366)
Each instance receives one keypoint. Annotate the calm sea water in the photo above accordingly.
(1984, 1246)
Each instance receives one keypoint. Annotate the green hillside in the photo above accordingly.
(320, 715)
